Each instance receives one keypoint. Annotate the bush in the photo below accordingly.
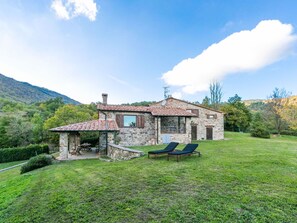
(37, 162)
(22, 153)
(258, 128)
(260, 132)
(289, 132)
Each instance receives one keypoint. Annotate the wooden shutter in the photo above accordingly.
(140, 121)
(120, 121)
(195, 111)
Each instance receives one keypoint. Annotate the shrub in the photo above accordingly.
(22, 153)
(260, 132)
(258, 128)
(289, 132)
(37, 162)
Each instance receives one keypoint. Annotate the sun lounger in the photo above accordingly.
(187, 151)
(169, 148)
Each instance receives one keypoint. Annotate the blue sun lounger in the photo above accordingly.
(187, 151)
(169, 148)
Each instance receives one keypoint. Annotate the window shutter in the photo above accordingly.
(120, 121)
(140, 121)
(195, 111)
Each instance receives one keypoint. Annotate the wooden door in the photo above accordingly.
(194, 132)
(209, 133)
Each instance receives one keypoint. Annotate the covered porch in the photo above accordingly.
(172, 124)
(70, 146)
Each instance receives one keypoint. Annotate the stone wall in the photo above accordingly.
(117, 152)
(203, 120)
(134, 136)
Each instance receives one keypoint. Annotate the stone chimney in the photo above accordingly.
(104, 98)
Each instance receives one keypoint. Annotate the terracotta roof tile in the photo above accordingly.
(123, 108)
(94, 125)
(155, 111)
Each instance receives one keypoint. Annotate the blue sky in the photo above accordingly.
(132, 49)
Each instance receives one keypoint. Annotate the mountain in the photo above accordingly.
(13, 90)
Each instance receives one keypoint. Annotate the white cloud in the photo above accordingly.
(248, 50)
(68, 9)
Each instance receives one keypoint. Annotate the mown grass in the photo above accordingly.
(241, 179)
(9, 164)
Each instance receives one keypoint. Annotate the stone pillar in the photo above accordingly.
(63, 145)
(74, 141)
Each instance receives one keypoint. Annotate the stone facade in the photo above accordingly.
(159, 129)
(117, 152)
(133, 136)
(207, 118)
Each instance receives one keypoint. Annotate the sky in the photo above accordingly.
(132, 49)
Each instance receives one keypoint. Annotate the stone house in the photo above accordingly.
(162, 122)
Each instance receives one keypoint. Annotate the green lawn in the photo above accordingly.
(5, 165)
(240, 179)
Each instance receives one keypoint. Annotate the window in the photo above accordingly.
(174, 125)
(195, 111)
(129, 120)
(211, 116)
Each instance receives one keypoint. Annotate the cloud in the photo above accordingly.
(248, 50)
(68, 9)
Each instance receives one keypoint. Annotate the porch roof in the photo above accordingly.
(155, 111)
(94, 125)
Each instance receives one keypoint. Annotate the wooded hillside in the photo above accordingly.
(17, 91)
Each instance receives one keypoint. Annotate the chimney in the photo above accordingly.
(104, 98)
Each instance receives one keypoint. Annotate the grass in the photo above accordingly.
(241, 179)
(9, 164)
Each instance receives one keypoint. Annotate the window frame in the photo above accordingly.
(130, 126)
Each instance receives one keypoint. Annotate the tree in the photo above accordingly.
(19, 132)
(68, 114)
(237, 115)
(216, 94)
(258, 128)
(206, 102)
(289, 114)
(278, 100)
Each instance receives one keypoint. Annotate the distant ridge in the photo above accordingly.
(292, 100)
(14, 90)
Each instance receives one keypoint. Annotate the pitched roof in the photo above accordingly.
(198, 105)
(123, 108)
(94, 125)
(155, 111)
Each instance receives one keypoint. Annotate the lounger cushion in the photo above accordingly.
(169, 148)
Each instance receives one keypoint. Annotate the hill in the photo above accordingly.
(292, 100)
(14, 90)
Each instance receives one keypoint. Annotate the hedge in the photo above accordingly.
(22, 153)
